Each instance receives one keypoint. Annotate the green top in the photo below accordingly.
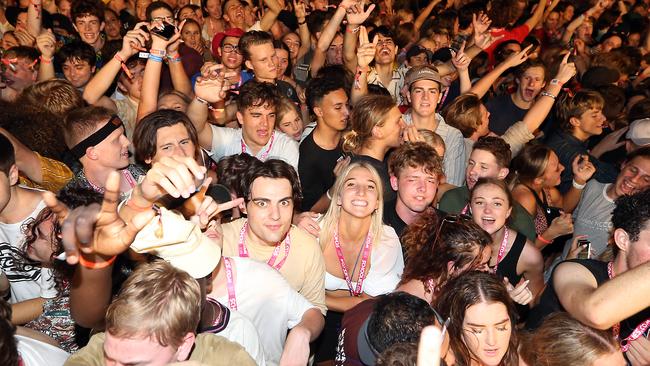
(455, 200)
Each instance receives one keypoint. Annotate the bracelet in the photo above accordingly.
(541, 238)
(304, 21)
(176, 58)
(547, 94)
(123, 66)
(210, 107)
(94, 265)
(355, 30)
(45, 60)
(201, 100)
(155, 58)
(577, 185)
(161, 53)
(364, 69)
(328, 194)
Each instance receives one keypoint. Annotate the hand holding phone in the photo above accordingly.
(585, 253)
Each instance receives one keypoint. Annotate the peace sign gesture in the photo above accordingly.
(366, 50)
(94, 230)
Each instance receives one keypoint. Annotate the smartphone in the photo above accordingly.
(585, 253)
(166, 32)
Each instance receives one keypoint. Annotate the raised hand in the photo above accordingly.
(213, 84)
(520, 294)
(481, 23)
(134, 41)
(176, 176)
(24, 38)
(355, 14)
(299, 9)
(46, 44)
(366, 50)
(94, 229)
(485, 39)
(567, 69)
(518, 58)
(582, 169)
(201, 209)
(459, 59)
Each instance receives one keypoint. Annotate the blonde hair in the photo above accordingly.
(284, 107)
(331, 217)
(157, 301)
(368, 112)
(57, 96)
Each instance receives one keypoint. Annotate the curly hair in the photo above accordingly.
(8, 346)
(632, 214)
(432, 242)
(415, 155)
(470, 289)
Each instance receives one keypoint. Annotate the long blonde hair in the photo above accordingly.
(331, 217)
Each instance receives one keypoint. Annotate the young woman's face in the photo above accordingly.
(553, 172)
(283, 61)
(490, 207)
(486, 332)
(291, 124)
(293, 42)
(41, 249)
(360, 193)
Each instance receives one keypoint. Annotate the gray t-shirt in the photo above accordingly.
(593, 217)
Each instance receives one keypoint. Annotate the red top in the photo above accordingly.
(518, 34)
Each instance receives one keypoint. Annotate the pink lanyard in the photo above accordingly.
(125, 173)
(243, 251)
(232, 299)
(502, 249)
(465, 209)
(264, 154)
(616, 329)
(362, 269)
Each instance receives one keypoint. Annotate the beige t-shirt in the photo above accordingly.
(304, 269)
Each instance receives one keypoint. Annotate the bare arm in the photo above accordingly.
(537, 15)
(46, 44)
(425, 14)
(344, 303)
(326, 38)
(34, 17)
(365, 55)
(602, 306)
(296, 347)
(26, 311)
(211, 88)
(270, 15)
(303, 29)
(26, 160)
(481, 87)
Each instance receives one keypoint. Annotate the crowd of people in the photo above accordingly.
(326, 182)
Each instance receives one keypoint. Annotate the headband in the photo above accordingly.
(79, 150)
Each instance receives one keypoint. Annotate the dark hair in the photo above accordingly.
(500, 183)
(466, 11)
(382, 30)
(87, 8)
(316, 20)
(82, 122)
(470, 289)
(253, 38)
(8, 346)
(274, 169)
(76, 50)
(639, 110)
(7, 155)
(256, 94)
(528, 64)
(433, 241)
(339, 73)
(398, 317)
(570, 107)
(497, 147)
(415, 155)
(640, 152)
(399, 354)
(232, 172)
(277, 44)
(145, 134)
(29, 53)
(502, 13)
(632, 214)
(155, 6)
(318, 88)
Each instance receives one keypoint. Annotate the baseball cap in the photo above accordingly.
(417, 73)
(230, 32)
(639, 132)
(179, 242)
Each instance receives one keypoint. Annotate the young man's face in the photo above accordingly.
(531, 83)
(319, 4)
(234, 13)
(591, 122)
(333, 110)
(141, 350)
(392, 128)
(263, 61)
(270, 209)
(113, 25)
(229, 53)
(385, 53)
(78, 72)
(257, 124)
(634, 177)
(132, 86)
(23, 76)
(334, 54)
(89, 28)
(482, 164)
(418, 60)
(173, 141)
(141, 9)
(424, 96)
(162, 15)
(415, 188)
(113, 151)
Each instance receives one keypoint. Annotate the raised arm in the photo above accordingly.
(327, 36)
(365, 55)
(211, 87)
(133, 41)
(602, 306)
(303, 29)
(537, 15)
(46, 44)
(269, 17)
(425, 14)
(481, 87)
(34, 17)
(461, 63)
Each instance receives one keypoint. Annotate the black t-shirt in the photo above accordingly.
(316, 170)
(503, 113)
(392, 219)
(286, 90)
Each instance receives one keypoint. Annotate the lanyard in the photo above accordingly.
(502, 249)
(264, 154)
(465, 210)
(616, 329)
(362, 269)
(125, 173)
(232, 299)
(243, 251)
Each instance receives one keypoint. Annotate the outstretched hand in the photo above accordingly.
(94, 229)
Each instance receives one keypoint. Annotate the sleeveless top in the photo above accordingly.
(508, 265)
(544, 214)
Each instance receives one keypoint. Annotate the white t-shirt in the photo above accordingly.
(242, 331)
(37, 353)
(227, 141)
(386, 267)
(27, 281)
(267, 299)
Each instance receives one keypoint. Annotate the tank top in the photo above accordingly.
(508, 265)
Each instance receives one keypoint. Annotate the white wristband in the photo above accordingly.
(328, 194)
(578, 186)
